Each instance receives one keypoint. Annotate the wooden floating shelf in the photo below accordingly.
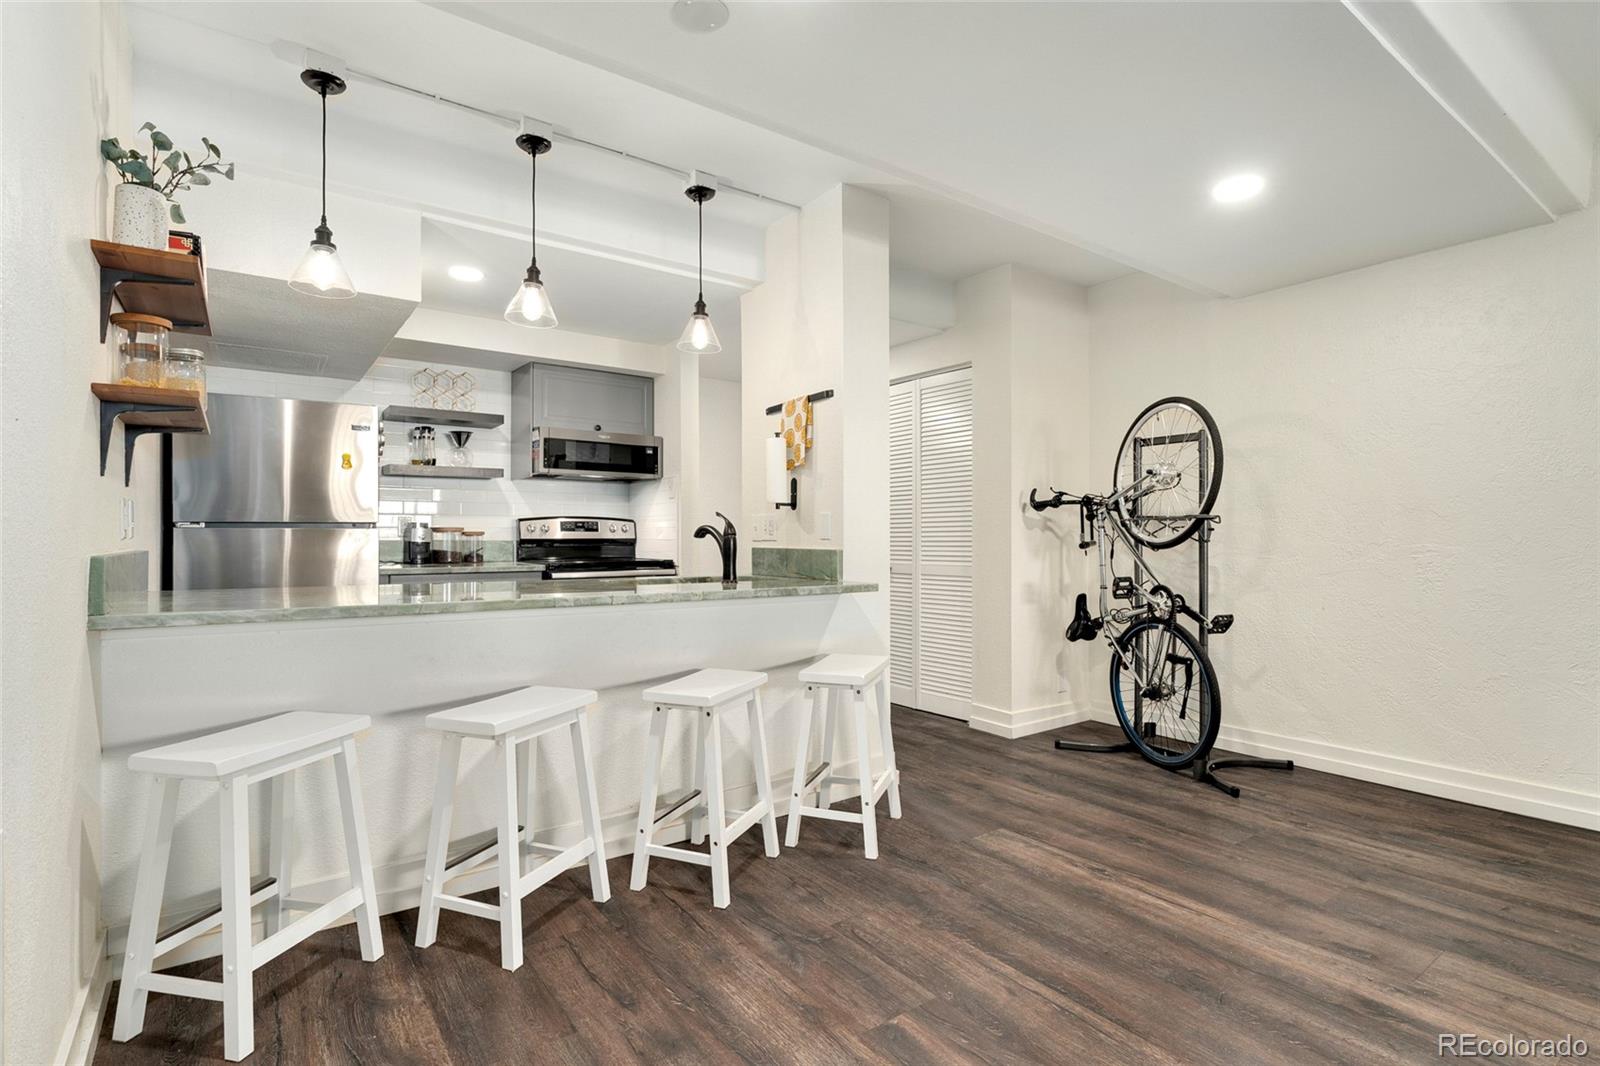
(153, 281)
(428, 416)
(475, 473)
(144, 409)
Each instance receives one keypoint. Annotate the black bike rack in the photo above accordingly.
(1204, 768)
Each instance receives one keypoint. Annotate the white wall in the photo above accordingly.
(820, 320)
(1026, 338)
(65, 85)
(1409, 535)
(720, 459)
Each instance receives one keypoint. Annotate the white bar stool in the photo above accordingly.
(268, 751)
(510, 720)
(826, 681)
(708, 694)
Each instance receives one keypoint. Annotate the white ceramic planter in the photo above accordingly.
(139, 217)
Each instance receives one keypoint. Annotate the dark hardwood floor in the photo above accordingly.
(1031, 907)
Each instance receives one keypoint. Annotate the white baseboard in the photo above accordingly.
(1025, 722)
(400, 884)
(1566, 806)
(83, 1031)
(1468, 786)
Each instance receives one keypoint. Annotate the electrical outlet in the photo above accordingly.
(126, 519)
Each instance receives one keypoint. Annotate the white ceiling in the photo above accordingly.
(1078, 139)
(1101, 124)
(590, 293)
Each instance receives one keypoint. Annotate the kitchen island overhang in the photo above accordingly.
(183, 676)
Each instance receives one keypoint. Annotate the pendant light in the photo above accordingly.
(530, 304)
(321, 273)
(700, 336)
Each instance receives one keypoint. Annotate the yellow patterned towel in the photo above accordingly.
(796, 431)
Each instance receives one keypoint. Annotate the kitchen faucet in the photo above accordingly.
(727, 543)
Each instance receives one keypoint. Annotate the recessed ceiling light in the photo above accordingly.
(1237, 188)
(700, 16)
(462, 272)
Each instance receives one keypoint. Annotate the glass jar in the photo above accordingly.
(141, 348)
(422, 453)
(184, 369)
(472, 547)
(447, 545)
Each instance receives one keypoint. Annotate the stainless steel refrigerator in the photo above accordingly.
(280, 493)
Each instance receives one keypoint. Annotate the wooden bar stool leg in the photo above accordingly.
(697, 818)
(589, 804)
(869, 824)
(280, 848)
(509, 861)
(444, 792)
(715, 812)
(758, 747)
(527, 754)
(797, 786)
(357, 850)
(881, 692)
(647, 800)
(238, 1000)
(147, 893)
(830, 707)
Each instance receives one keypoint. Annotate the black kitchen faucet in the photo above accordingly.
(727, 543)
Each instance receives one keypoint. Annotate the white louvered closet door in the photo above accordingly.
(903, 543)
(931, 542)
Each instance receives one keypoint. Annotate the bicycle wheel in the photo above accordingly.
(1178, 440)
(1167, 703)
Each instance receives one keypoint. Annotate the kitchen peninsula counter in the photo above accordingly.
(172, 665)
(235, 606)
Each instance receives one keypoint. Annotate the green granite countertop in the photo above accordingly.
(227, 606)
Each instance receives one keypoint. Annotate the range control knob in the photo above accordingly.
(613, 527)
(544, 527)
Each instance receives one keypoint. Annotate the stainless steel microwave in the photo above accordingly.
(593, 456)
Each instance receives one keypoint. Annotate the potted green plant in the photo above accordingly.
(144, 200)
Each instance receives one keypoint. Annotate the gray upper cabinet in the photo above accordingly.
(566, 397)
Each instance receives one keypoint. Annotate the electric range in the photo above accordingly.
(586, 547)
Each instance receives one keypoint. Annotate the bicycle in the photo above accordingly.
(1163, 686)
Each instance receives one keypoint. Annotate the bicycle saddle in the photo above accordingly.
(1083, 627)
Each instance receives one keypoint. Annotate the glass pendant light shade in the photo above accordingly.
(321, 272)
(530, 304)
(699, 336)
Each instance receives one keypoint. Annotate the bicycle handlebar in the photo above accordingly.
(1057, 499)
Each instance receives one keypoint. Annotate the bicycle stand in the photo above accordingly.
(1204, 768)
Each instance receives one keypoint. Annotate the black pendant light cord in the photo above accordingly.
(533, 212)
(700, 251)
(324, 95)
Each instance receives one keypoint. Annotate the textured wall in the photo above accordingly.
(1409, 533)
(65, 87)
